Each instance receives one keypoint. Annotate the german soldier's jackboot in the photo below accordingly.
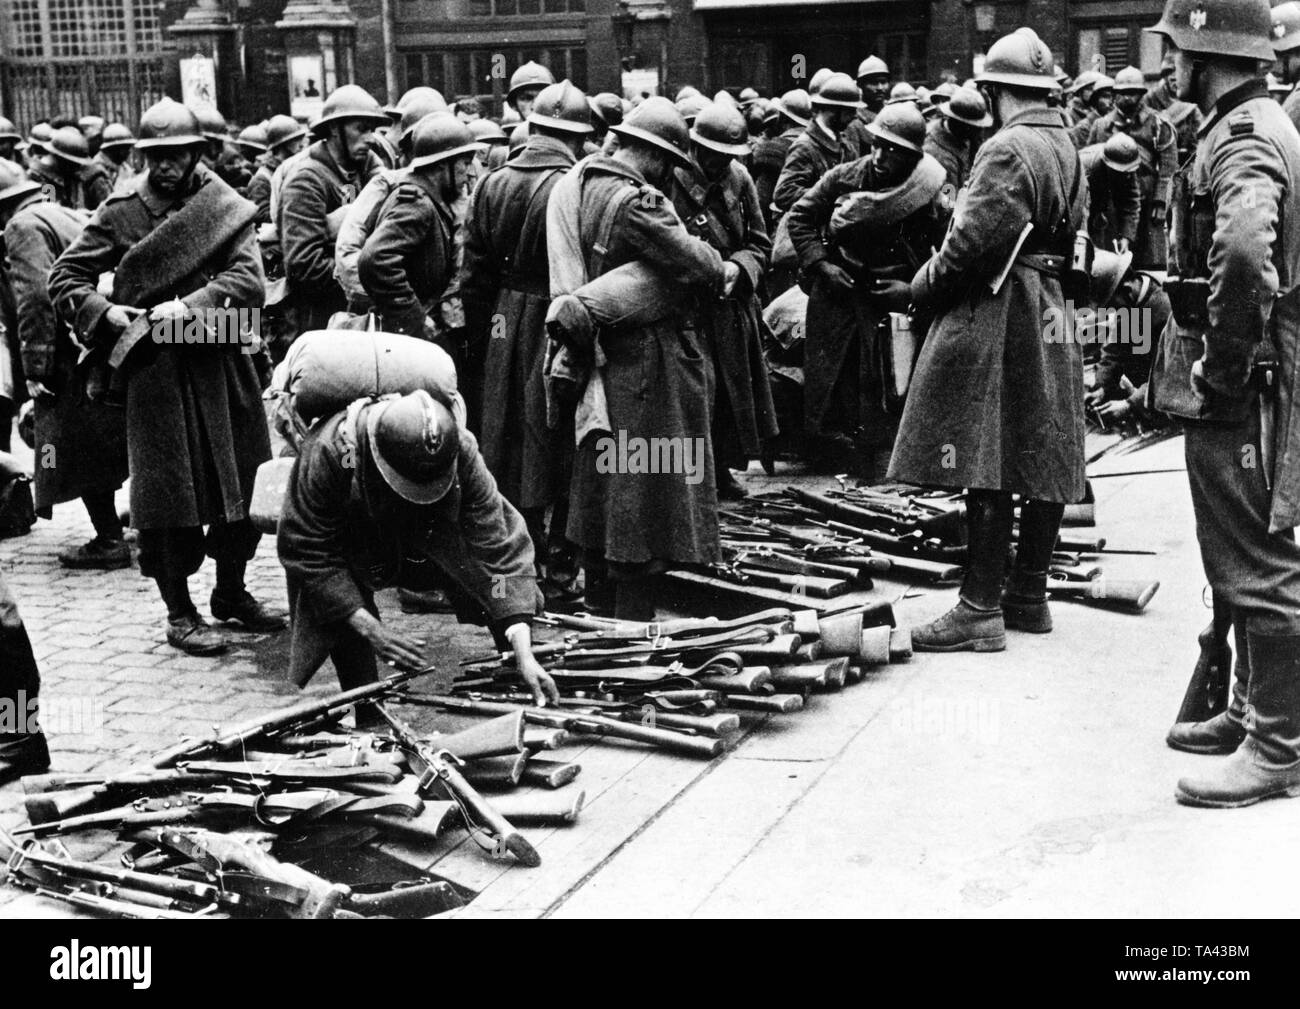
(1267, 763)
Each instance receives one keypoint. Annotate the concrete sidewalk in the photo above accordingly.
(1033, 782)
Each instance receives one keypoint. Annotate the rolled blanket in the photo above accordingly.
(889, 206)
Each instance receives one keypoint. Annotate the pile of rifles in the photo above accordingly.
(235, 825)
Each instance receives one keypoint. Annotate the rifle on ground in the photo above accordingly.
(90, 886)
(288, 720)
(577, 722)
(1109, 593)
(279, 810)
(1207, 691)
(438, 768)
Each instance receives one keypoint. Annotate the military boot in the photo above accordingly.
(1223, 733)
(99, 554)
(975, 624)
(1024, 602)
(1267, 763)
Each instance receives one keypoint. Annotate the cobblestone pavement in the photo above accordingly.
(114, 692)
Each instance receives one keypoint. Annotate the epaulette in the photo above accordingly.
(1241, 124)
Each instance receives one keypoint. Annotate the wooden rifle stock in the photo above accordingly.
(1207, 691)
(499, 737)
(440, 767)
(596, 725)
(1109, 593)
(777, 704)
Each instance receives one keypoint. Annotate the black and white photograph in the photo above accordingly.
(651, 459)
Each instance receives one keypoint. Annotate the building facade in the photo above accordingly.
(114, 57)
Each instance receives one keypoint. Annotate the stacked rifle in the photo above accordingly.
(682, 686)
(816, 545)
(218, 826)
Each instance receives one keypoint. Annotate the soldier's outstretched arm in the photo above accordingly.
(1247, 180)
(74, 278)
(996, 210)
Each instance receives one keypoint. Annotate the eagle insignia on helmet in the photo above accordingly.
(1197, 19)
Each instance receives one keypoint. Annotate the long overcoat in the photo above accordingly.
(659, 387)
(505, 285)
(993, 404)
(196, 427)
(728, 216)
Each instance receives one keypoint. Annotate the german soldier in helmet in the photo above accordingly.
(858, 254)
(179, 245)
(994, 408)
(327, 178)
(1227, 364)
(606, 212)
(505, 284)
(718, 202)
(374, 487)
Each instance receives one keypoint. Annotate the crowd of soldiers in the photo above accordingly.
(612, 272)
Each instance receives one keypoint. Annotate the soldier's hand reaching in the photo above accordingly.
(39, 390)
(402, 651)
(538, 680)
(1095, 397)
(837, 277)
